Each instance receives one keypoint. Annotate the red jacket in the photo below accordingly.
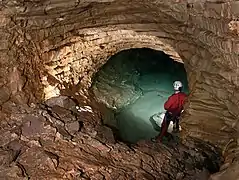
(175, 103)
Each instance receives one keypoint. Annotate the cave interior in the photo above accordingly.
(81, 80)
(134, 84)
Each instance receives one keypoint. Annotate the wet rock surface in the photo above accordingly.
(40, 148)
(128, 75)
(149, 75)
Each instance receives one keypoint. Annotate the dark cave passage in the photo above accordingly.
(135, 83)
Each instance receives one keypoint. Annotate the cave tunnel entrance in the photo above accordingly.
(134, 84)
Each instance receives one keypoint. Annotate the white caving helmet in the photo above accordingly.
(177, 85)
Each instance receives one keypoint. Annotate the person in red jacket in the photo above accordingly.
(173, 107)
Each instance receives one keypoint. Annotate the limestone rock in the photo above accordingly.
(35, 157)
(56, 101)
(32, 127)
(50, 48)
(62, 101)
(6, 157)
(16, 81)
(15, 145)
(105, 134)
(63, 114)
(46, 152)
(7, 137)
(4, 94)
(12, 172)
(73, 127)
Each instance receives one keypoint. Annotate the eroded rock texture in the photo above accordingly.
(55, 47)
(116, 83)
(42, 144)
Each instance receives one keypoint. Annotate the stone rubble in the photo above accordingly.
(38, 149)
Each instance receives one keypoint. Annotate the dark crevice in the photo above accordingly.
(23, 170)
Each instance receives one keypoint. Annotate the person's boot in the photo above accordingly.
(176, 126)
(163, 131)
(156, 139)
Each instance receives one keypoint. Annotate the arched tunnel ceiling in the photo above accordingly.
(56, 43)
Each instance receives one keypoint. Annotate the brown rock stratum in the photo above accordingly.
(54, 47)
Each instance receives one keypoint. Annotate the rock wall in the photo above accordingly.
(52, 47)
(120, 77)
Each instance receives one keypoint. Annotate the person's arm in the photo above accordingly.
(184, 99)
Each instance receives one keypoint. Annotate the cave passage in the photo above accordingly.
(134, 84)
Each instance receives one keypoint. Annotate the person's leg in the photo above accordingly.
(164, 128)
(176, 129)
(177, 123)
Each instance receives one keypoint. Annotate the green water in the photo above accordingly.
(157, 74)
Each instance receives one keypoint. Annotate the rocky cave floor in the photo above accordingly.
(55, 141)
